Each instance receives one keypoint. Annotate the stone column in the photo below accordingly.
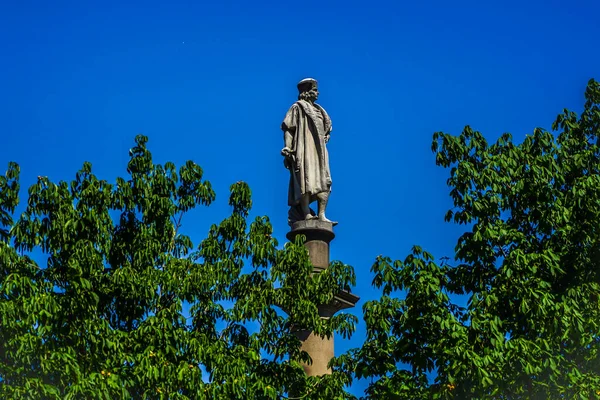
(319, 235)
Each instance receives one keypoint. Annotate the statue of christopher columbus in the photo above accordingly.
(307, 129)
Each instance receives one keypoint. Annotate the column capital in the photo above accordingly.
(313, 229)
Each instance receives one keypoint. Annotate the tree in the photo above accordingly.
(528, 266)
(103, 296)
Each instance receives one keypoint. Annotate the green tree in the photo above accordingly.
(103, 296)
(528, 267)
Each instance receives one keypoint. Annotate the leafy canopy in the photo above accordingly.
(516, 314)
(103, 296)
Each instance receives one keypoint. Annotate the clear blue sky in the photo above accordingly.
(211, 82)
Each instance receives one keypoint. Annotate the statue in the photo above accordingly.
(307, 128)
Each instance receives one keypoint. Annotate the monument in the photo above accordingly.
(306, 132)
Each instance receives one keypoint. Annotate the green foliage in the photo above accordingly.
(103, 297)
(528, 265)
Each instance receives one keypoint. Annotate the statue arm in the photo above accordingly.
(288, 139)
(289, 126)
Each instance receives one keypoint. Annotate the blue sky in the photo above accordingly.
(211, 82)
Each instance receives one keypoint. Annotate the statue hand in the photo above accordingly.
(327, 138)
(286, 152)
(287, 164)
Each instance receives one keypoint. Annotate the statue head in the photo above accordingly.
(308, 90)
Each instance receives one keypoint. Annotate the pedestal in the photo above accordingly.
(319, 235)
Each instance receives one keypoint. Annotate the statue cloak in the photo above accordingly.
(309, 172)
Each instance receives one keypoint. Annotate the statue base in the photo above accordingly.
(318, 236)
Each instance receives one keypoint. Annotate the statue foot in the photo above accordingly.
(310, 216)
(324, 219)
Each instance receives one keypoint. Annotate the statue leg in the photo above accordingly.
(305, 205)
(322, 199)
